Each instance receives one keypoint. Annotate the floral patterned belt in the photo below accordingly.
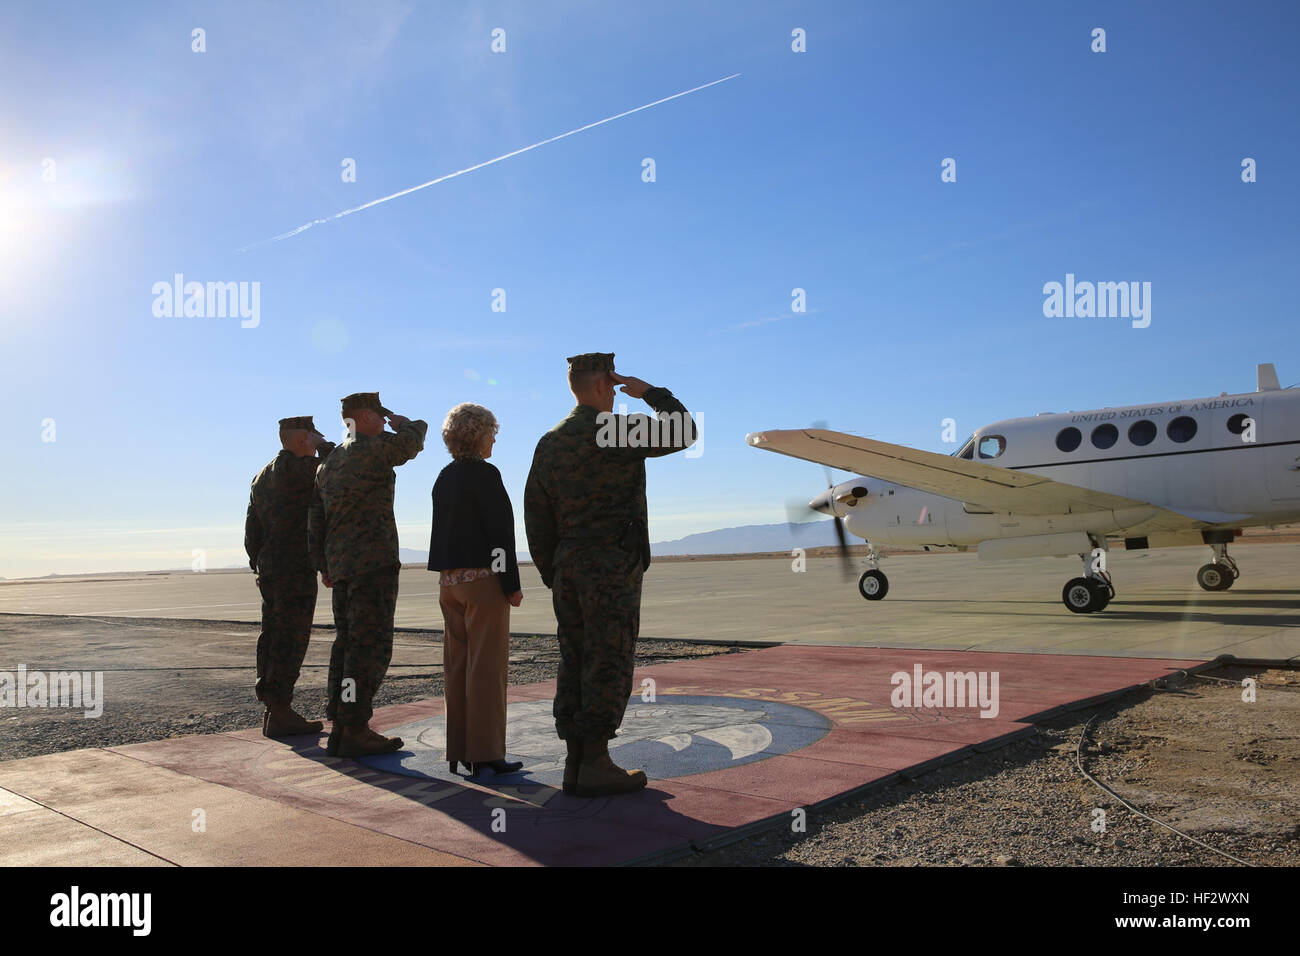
(463, 575)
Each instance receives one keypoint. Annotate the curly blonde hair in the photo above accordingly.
(465, 427)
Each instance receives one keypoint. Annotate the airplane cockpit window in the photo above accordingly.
(967, 450)
(1067, 439)
(1104, 436)
(1182, 429)
(992, 445)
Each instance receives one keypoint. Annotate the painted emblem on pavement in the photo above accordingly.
(675, 736)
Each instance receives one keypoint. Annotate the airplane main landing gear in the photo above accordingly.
(1219, 574)
(1089, 594)
(1086, 595)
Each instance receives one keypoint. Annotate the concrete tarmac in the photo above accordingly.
(942, 601)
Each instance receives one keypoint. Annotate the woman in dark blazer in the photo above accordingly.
(473, 548)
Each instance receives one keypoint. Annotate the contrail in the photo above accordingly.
(469, 169)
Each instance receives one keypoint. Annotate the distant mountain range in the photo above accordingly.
(750, 539)
(747, 539)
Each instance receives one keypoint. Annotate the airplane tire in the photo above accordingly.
(1214, 577)
(1103, 592)
(1080, 596)
(873, 585)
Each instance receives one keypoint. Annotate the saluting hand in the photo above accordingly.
(397, 421)
(631, 384)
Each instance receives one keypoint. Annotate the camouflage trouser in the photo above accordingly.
(363, 645)
(597, 598)
(288, 605)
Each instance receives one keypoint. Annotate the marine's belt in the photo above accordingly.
(624, 536)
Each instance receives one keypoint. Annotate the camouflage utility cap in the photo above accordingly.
(359, 400)
(302, 422)
(592, 362)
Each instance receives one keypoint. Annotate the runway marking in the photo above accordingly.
(82, 587)
(539, 587)
(178, 607)
(194, 607)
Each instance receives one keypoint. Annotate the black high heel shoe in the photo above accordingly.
(498, 767)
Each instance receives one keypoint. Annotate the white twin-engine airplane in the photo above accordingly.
(1176, 473)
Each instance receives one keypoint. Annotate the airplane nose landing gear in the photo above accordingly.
(873, 585)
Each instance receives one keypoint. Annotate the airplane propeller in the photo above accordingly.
(797, 512)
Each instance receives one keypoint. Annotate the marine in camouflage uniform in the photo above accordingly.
(275, 537)
(353, 539)
(585, 514)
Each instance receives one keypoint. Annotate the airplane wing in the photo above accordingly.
(987, 486)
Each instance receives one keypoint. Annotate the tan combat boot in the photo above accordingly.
(285, 722)
(571, 764)
(598, 776)
(364, 742)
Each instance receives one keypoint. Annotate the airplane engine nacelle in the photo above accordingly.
(849, 495)
(839, 500)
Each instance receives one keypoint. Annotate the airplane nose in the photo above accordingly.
(823, 504)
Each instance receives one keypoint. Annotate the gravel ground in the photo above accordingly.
(157, 686)
(1192, 755)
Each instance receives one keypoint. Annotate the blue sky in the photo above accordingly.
(817, 170)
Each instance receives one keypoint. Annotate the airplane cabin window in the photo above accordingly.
(1182, 429)
(1104, 436)
(1237, 423)
(992, 445)
(1068, 438)
(1142, 432)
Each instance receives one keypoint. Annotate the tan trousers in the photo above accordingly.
(475, 651)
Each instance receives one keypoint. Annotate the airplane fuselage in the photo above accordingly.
(1230, 462)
